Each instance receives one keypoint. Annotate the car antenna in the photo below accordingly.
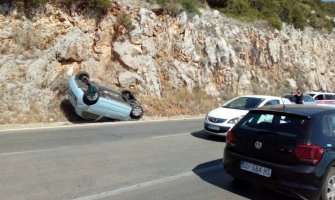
(283, 102)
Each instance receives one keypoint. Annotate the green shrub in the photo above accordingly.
(102, 4)
(125, 21)
(240, 9)
(191, 6)
(31, 3)
(298, 18)
(292, 12)
(217, 3)
(90, 4)
(275, 22)
(171, 7)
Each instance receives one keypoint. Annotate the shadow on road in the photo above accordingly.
(218, 177)
(205, 136)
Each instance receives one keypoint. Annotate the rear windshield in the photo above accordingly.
(274, 123)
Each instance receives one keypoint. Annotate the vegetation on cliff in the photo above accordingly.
(300, 13)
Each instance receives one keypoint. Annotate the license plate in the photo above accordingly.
(213, 127)
(263, 171)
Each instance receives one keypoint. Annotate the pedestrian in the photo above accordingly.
(298, 96)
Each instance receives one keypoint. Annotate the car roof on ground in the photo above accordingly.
(298, 109)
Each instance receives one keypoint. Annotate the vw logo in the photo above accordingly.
(258, 145)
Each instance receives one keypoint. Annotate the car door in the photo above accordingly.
(308, 99)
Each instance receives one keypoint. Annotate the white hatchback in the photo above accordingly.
(220, 120)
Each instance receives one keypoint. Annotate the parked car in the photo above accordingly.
(219, 120)
(323, 98)
(306, 99)
(290, 149)
(94, 102)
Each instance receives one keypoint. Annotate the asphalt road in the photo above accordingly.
(157, 160)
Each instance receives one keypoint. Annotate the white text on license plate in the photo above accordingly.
(213, 127)
(264, 171)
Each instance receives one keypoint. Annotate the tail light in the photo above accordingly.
(229, 137)
(310, 154)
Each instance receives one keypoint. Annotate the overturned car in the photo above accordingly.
(94, 102)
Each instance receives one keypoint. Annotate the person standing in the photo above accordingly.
(298, 96)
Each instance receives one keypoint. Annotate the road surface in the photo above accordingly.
(149, 160)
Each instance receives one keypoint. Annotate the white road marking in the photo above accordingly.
(173, 135)
(31, 151)
(118, 191)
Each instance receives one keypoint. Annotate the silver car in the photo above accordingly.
(94, 102)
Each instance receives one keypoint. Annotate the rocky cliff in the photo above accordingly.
(153, 55)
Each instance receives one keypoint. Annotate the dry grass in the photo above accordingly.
(180, 102)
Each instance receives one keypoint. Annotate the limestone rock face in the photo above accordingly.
(155, 55)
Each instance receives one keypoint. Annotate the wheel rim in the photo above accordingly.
(133, 103)
(137, 111)
(331, 188)
(92, 97)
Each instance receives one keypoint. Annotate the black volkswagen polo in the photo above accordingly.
(288, 148)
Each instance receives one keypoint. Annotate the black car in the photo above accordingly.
(288, 148)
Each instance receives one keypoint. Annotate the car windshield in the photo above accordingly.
(274, 124)
(311, 94)
(289, 97)
(244, 103)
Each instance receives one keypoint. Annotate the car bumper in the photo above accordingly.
(297, 181)
(216, 129)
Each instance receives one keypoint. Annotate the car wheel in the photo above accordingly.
(91, 96)
(136, 112)
(127, 95)
(81, 74)
(133, 103)
(328, 186)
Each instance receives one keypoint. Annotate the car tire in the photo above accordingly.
(328, 186)
(127, 95)
(80, 74)
(133, 103)
(136, 112)
(90, 100)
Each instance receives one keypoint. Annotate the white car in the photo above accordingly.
(323, 98)
(220, 120)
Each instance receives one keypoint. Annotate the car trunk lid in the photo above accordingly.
(263, 135)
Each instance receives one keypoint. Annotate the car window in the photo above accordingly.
(244, 103)
(289, 97)
(319, 97)
(280, 123)
(265, 118)
(328, 125)
(329, 96)
(311, 94)
(272, 102)
(308, 98)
